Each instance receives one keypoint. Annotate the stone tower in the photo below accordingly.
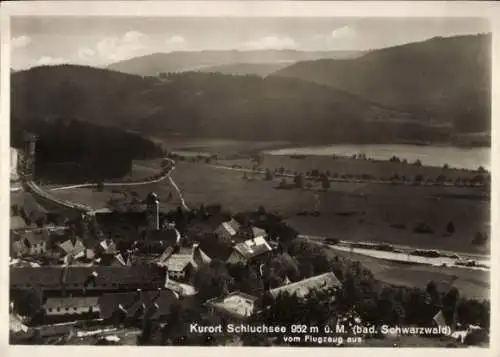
(153, 211)
(29, 153)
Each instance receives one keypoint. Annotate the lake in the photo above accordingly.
(457, 157)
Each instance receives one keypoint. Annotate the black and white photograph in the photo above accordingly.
(278, 181)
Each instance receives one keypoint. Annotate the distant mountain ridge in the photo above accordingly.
(441, 80)
(181, 61)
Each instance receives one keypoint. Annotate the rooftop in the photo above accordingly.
(236, 303)
(78, 302)
(178, 262)
(253, 247)
(304, 287)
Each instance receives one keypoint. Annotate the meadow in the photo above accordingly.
(349, 211)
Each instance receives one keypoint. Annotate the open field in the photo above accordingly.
(471, 283)
(348, 166)
(349, 211)
(371, 209)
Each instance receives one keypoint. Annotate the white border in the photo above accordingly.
(490, 10)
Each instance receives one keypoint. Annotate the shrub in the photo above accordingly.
(450, 228)
(423, 228)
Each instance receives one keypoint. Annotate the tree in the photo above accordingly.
(269, 175)
(419, 178)
(450, 302)
(417, 162)
(299, 181)
(450, 228)
(325, 183)
(212, 280)
(479, 239)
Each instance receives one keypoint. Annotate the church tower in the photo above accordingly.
(153, 211)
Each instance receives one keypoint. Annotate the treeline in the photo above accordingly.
(69, 150)
(214, 105)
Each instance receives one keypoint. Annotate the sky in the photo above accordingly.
(99, 41)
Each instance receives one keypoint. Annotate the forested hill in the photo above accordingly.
(443, 80)
(181, 61)
(211, 105)
(69, 150)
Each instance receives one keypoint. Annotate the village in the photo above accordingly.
(139, 274)
(142, 267)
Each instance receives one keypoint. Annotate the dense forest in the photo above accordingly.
(69, 150)
(441, 80)
(213, 105)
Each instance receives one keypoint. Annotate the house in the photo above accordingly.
(107, 246)
(250, 251)
(18, 249)
(199, 257)
(236, 306)
(249, 232)
(156, 304)
(113, 259)
(35, 242)
(67, 306)
(227, 230)
(179, 266)
(326, 282)
(87, 278)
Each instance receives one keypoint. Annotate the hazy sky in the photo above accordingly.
(98, 41)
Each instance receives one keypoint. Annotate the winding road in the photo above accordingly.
(38, 192)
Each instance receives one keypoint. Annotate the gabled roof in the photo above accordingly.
(73, 247)
(199, 256)
(32, 238)
(236, 304)
(107, 246)
(304, 287)
(178, 262)
(252, 248)
(231, 226)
